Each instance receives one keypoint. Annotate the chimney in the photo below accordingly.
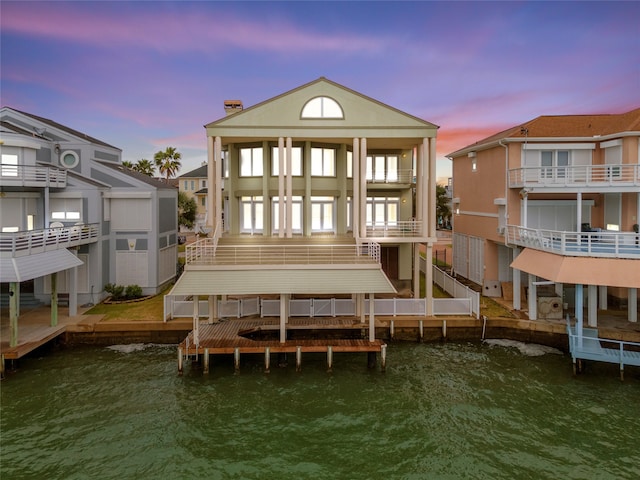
(232, 106)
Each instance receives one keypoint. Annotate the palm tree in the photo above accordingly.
(128, 164)
(168, 162)
(145, 166)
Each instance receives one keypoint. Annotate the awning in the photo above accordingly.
(28, 267)
(286, 281)
(615, 272)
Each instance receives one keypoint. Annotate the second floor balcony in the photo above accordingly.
(397, 229)
(38, 176)
(585, 244)
(17, 244)
(617, 176)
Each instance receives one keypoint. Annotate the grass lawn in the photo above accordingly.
(150, 309)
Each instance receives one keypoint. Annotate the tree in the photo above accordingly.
(128, 164)
(187, 207)
(144, 166)
(168, 162)
(443, 212)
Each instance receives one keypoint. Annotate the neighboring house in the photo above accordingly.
(548, 207)
(194, 185)
(69, 212)
(318, 165)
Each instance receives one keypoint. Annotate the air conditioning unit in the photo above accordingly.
(500, 230)
(550, 308)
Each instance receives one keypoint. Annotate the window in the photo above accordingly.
(203, 184)
(69, 159)
(323, 162)
(554, 163)
(68, 209)
(193, 184)
(9, 166)
(225, 166)
(349, 164)
(296, 161)
(186, 185)
(251, 214)
(296, 214)
(382, 168)
(251, 162)
(322, 107)
(203, 201)
(349, 214)
(382, 211)
(322, 214)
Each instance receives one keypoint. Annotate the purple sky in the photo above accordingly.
(146, 75)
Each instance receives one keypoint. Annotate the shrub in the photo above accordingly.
(133, 291)
(116, 291)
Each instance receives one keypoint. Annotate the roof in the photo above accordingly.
(282, 281)
(197, 173)
(615, 272)
(565, 126)
(28, 267)
(154, 182)
(64, 128)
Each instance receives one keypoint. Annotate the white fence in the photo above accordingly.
(465, 301)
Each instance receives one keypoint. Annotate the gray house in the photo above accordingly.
(73, 219)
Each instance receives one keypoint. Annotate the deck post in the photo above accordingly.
(383, 358)
(180, 359)
(298, 359)
(236, 360)
(372, 321)
(14, 289)
(205, 368)
(54, 299)
(632, 303)
(267, 359)
(329, 358)
(420, 330)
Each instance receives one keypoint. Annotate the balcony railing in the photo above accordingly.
(208, 252)
(410, 228)
(576, 176)
(578, 244)
(19, 244)
(393, 176)
(32, 176)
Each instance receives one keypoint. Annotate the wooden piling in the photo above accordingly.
(236, 360)
(206, 361)
(180, 359)
(383, 358)
(329, 358)
(267, 359)
(298, 359)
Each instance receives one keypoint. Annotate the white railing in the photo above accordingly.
(578, 244)
(405, 228)
(465, 301)
(208, 252)
(393, 176)
(576, 176)
(32, 176)
(36, 241)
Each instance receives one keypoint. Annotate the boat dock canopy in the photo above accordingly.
(28, 267)
(278, 281)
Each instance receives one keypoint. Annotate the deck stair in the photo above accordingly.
(585, 344)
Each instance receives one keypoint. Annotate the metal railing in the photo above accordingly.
(208, 252)
(393, 176)
(32, 176)
(35, 241)
(405, 228)
(586, 244)
(576, 176)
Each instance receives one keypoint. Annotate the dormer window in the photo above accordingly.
(322, 107)
(69, 159)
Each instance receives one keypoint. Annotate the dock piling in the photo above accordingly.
(444, 329)
(236, 360)
(180, 359)
(267, 359)
(391, 329)
(329, 358)
(421, 330)
(205, 368)
(298, 359)
(383, 358)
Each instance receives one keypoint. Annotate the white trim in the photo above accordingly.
(559, 146)
(611, 143)
(127, 194)
(73, 154)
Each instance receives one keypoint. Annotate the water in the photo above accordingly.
(455, 410)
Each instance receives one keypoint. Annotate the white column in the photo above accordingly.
(289, 189)
(217, 204)
(212, 184)
(355, 199)
(372, 321)
(422, 152)
(428, 279)
(579, 309)
(592, 292)
(524, 211)
(603, 297)
(363, 187)
(416, 270)
(284, 311)
(431, 194)
(578, 212)
(213, 308)
(281, 165)
(196, 322)
(517, 286)
(533, 298)
(632, 305)
(73, 291)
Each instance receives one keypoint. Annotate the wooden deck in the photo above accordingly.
(230, 337)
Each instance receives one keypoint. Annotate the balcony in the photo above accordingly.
(30, 242)
(619, 176)
(32, 176)
(402, 229)
(391, 176)
(577, 244)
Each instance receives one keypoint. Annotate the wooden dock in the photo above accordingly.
(234, 337)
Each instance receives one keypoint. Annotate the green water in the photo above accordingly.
(455, 410)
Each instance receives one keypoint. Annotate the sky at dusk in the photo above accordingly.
(146, 75)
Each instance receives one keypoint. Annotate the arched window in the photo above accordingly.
(322, 107)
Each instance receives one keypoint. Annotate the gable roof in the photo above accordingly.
(564, 126)
(154, 182)
(198, 172)
(64, 128)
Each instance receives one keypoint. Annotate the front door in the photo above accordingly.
(389, 258)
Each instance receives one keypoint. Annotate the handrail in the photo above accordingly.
(403, 228)
(579, 244)
(394, 176)
(35, 241)
(576, 175)
(32, 175)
